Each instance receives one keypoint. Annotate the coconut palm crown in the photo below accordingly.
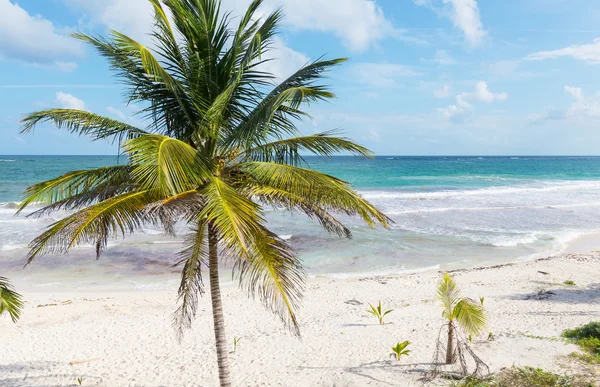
(221, 142)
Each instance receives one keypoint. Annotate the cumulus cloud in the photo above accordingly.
(589, 53)
(382, 74)
(443, 92)
(284, 61)
(33, 39)
(483, 93)
(457, 112)
(464, 14)
(357, 23)
(583, 106)
(441, 57)
(68, 101)
(463, 107)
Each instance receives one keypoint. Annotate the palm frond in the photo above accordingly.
(449, 294)
(272, 117)
(81, 122)
(317, 188)
(278, 198)
(470, 315)
(322, 144)
(116, 216)
(192, 257)
(11, 302)
(184, 206)
(265, 264)
(166, 164)
(235, 217)
(274, 274)
(77, 188)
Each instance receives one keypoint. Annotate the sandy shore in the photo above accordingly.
(126, 339)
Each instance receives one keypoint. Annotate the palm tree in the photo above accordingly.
(221, 143)
(467, 313)
(11, 302)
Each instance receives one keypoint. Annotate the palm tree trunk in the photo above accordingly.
(217, 309)
(450, 347)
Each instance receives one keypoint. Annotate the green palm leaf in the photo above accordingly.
(83, 123)
(193, 257)
(321, 144)
(116, 216)
(11, 302)
(449, 294)
(166, 164)
(470, 315)
(77, 188)
(318, 188)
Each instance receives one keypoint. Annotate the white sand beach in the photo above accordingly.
(126, 339)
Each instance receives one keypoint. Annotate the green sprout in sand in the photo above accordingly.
(378, 312)
(400, 349)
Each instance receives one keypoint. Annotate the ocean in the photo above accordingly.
(448, 212)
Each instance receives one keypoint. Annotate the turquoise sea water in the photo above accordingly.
(448, 211)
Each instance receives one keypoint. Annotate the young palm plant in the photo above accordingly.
(11, 302)
(465, 312)
(221, 143)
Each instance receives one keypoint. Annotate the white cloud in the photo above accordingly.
(589, 53)
(117, 113)
(66, 67)
(131, 17)
(68, 101)
(583, 106)
(285, 61)
(382, 74)
(463, 107)
(358, 23)
(483, 93)
(464, 14)
(576, 92)
(458, 111)
(444, 92)
(33, 39)
(441, 57)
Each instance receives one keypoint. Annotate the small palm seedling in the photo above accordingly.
(79, 381)
(490, 336)
(570, 283)
(481, 299)
(400, 349)
(465, 312)
(378, 312)
(236, 340)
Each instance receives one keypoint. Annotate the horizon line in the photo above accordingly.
(321, 156)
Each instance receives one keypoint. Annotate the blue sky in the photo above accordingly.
(432, 77)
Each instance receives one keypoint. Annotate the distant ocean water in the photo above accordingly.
(448, 212)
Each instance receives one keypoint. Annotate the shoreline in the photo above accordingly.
(126, 338)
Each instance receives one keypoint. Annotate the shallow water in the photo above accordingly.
(448, 212)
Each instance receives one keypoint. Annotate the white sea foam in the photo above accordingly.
(545, 187)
